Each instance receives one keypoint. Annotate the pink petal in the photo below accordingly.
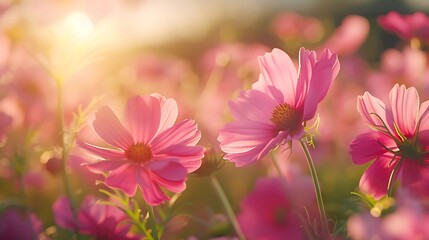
(63, 213)
(108, 127)
(368, 106)
(152, 192)
(169, 113)
(404, 108)
(324, 71)
(104, 166)
(375, 179)
(253, 105)
(104, 153)
(238, 137)
(368, 146)
(91, 215)
(188, 156)
(250, 155)
(278, 76)
(307, 59)
(182, 133)
(125, 178)
(413, 172)
(424, 115)
(169, 174)
(143, 114)
(129, 176)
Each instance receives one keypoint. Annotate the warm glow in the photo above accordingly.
(80, 25)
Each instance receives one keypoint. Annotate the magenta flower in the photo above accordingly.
(14, 225)
(100, 221)
(267, 213)
(410, 26)
(278, 105)
(150, 150)
(399, 141)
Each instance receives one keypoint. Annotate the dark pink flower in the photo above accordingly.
(267, 213)
(100, 221)
(409, 26)
(14, 225)
(278, 105)
(151, 151)
(400, 139)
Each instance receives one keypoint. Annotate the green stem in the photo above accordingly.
(152, 222)
(227, 206)
(316, 183)
(391, 178)
(64, 150)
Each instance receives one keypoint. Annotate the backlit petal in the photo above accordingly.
(143, 114)
(108, 127)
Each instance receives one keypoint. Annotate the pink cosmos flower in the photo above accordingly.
(150, 150)
(399, 140)
(267, 213)
(410, 26)
(100, 221)
(278, 105)
(349, 36)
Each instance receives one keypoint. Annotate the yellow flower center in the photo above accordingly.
(139, 153)
(286, 118)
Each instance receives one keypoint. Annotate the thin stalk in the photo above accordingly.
(316, 183)
(392, 177)
(152, 222)
(227, 206)
(64, 150)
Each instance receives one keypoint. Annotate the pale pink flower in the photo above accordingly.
(409, 220)
(268, 213)
(292, 26)
(100, 221)
(278, 105)
(151, 151)
(409, 26)
(349, 36)
(400, 138)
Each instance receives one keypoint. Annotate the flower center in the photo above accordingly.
(139, 153)
(286, 118)
(411, 150)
